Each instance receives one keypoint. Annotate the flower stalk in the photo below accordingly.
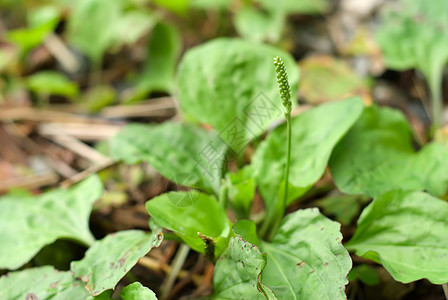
(285, 94)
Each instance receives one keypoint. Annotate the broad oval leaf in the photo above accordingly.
(41, 283)
(231, 84)
(109, 259)
(314, 135)
(137, 291)
(306, 259)
(29, 223)
(186, 154)
(204, 215)
(237, 272)
(408, 231)
(376, 156)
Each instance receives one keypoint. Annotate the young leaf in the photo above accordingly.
(241, 191)
(306, 259)
(186, 154)
(109, 259)
(224, 83)
(29, 223)
(91, 26)
(258, 25)
(237, 272)
(132, 26)
(377, 156)
(137, 291)
(160, 65)
(41, 283)
(203, 215)
(408, 231)
(52, 83)
(314, 134)
(41, 21)
(364, 273)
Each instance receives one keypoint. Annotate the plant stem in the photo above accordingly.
(288, 157)
(95, 73)
(445, 290)
(435, 87)
(178, 262)
(277, 221)
(275, 214)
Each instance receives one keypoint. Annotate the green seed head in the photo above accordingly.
(283, 83)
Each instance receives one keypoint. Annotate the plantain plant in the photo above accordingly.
(230, 86)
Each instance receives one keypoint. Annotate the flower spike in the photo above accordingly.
(283, 83)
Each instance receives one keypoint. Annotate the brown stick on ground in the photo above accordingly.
(153, 264)
(87, 172)
(29, 182)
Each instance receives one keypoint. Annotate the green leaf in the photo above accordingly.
(41, 283)
(29, 223)
(364, 273)
(54, 83)
(306, 259)
(314, 135)
(106, 295)
(186, 154)
(136, 291)
(109, 259)
(132, 26)
(237, 272)
(204, 215)
(161, 61)
(377, 156)
(241, 190)
(248, 230)
(91, 26)
(296, 6)
(259, 26)
(408, 231)
(231, 85)
(415, 35)
(177, 6)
